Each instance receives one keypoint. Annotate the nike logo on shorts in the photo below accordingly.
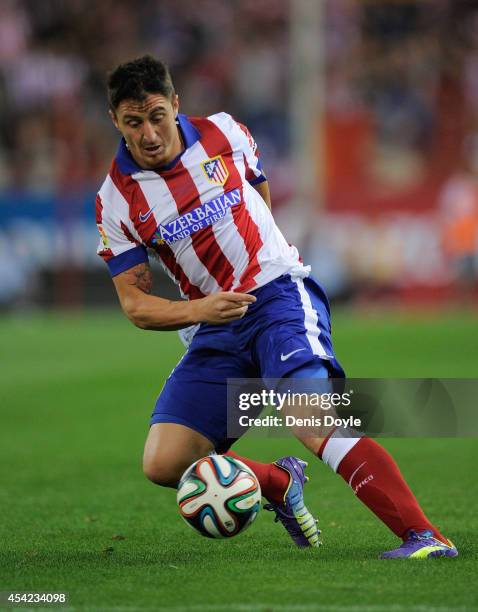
(144, 218)
(286, 357)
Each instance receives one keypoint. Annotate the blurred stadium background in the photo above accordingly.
(366, 114)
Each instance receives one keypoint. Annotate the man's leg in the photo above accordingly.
(285, 480)
(273, 479)
(297, 343)
(371, 472)
(375, 478)
(170, 449)
(190, 421)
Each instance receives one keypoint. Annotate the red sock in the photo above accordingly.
(376, 480)
(273, 479)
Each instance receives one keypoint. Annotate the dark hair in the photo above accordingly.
(136, 79)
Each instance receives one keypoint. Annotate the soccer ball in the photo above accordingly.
(219, 496)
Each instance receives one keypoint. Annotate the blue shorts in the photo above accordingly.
(285, 330)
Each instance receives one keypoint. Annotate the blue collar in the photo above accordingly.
(189, 132)
(127, 164)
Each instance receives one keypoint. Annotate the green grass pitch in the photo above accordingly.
(78, 516)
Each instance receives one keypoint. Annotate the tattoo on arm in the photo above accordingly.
(140, 276)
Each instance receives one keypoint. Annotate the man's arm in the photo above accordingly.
(263, 190)
(150, 312)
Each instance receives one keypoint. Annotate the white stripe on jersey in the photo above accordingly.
(225, 231)
(157, 195)
(275, 257)
(310, 320)
(116, 210)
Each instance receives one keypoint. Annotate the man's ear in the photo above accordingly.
(114, 119)
(175, 103)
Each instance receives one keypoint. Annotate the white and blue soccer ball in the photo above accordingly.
(219, 496)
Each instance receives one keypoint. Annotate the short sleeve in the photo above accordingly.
(254, 171)
(117, 246)
(241, 140)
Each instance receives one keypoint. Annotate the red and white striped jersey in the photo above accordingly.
(201, 215)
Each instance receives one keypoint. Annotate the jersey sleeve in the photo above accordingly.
(117, 246)
(241, 140)
(254, 172)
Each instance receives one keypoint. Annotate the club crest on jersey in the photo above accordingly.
(215, 169)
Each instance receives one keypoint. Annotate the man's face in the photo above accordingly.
(150, 129)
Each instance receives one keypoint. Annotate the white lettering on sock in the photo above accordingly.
(354, 472)
(363, 483)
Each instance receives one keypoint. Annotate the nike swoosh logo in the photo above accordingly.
(286, 357)
(144, 218)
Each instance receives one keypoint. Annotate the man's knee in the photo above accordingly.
(169, 450)
(163, 472)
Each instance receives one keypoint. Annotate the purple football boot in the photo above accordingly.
(421, 545)
(292, 512)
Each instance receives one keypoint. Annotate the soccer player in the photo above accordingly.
(192, 191)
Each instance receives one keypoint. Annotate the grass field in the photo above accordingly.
(79, 517)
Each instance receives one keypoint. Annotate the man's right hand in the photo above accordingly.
(148, 311)
(222, 307)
